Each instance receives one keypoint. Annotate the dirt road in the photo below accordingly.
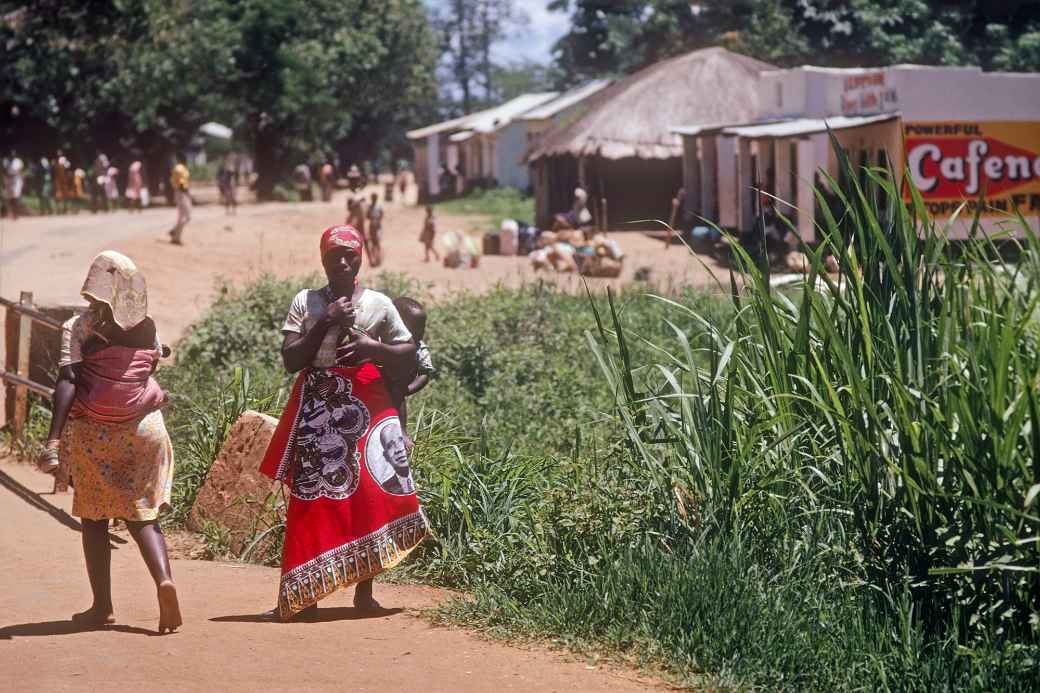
(222, 645)
(50, 255)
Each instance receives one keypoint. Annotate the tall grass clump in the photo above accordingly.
(883, 421)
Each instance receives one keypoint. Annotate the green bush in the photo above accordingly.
(497, 203)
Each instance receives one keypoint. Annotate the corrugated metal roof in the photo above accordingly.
(497, 118)
(805, 126)
(453, 124)
(487, 120)
(566, 100)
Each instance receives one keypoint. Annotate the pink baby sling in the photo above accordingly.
(119, 385)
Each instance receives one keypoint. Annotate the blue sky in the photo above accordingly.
(533, 40)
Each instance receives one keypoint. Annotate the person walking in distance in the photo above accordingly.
(428, 235)
(135, 187)
(375, 230)
(98, 178)
(14, 182)
(63, 184)
(180, 178)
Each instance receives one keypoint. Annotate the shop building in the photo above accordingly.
(957, 130)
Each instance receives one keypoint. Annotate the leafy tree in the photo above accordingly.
(608, 36)
(523, 77)
(623, 35)
(467, 31)
(59, 82)
(311, 75)
(133, 76)
(1021, 54)
(173, 77)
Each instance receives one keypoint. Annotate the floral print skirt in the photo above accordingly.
(122, 471)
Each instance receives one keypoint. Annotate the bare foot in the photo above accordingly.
(169, 608)
(367, 603)
(94, 617)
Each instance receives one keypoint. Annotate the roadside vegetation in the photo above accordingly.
(830, 488)
(497, 203)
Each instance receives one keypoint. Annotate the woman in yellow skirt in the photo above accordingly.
(107, 425)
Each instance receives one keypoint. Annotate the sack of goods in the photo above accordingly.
(459, 250)
(570, 252)
(509, 237)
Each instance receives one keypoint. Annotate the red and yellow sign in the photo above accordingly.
(951, 162)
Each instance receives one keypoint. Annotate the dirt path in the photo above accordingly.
(222, 646)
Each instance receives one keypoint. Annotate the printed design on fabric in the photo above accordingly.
(345, 565)
(331, 421)
(386, 456)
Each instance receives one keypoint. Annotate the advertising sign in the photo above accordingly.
(867, 93)
(953, 161)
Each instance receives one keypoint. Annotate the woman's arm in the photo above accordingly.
(64, 396)
(299, 350)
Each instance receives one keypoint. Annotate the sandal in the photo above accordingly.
(48, 461)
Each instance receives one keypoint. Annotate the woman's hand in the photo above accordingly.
(360, 348)
(341, 312)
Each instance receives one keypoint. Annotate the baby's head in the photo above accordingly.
(413, 314)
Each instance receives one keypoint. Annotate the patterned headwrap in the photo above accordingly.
(341, 236)
(114, 279)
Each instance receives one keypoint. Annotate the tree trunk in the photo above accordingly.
(486, 34)
(266, 164)
(462, 68)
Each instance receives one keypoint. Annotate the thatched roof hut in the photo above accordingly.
(622, 147)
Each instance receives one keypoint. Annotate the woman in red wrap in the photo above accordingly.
(353, 512)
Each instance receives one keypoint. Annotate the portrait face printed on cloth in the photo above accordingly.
(328, 462)
(387, 458)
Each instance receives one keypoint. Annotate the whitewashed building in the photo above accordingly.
(486, 146)
(957, 130)
(493, 142)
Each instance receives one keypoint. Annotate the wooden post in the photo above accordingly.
(603, 215)
(676, 203)
(21, 393)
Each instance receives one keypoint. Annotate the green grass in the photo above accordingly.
(497, 203)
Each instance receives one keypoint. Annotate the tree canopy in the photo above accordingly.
(294, 78)
(612, 36)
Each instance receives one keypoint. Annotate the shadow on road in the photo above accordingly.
(43, 628)
(36, 500)
(337, 613)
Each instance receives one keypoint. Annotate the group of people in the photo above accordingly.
(341, 446)
(366, 215)
(60, 187)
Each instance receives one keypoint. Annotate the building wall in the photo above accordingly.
(510, 145)
(422, 175)
(928, 93)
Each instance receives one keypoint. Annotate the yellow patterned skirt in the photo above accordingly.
(122, 471)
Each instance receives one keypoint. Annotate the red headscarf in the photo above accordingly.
(341, 236)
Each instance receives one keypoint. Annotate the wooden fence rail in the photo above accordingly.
(20, 319)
